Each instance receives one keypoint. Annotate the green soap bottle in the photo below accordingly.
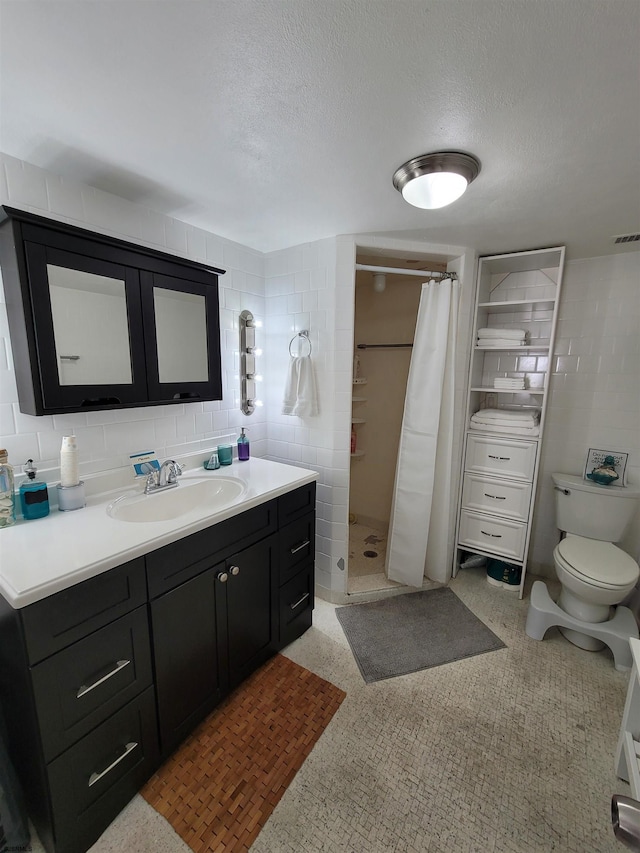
(34, 495)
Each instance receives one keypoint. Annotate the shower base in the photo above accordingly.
(367, 553)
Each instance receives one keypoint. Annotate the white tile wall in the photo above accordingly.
(595, 384)
(595, 390)
(107, 438)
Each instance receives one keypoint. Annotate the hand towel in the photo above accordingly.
(300, 395)
(502, 333)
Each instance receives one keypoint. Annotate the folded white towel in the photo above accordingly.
(502, 333)
(500, 343)
(300, 394)
(516, 417)
(507, 430)
(502, 423)
(517, 384)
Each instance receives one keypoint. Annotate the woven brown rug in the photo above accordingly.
(219, 788)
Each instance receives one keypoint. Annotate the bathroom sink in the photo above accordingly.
(208, 495)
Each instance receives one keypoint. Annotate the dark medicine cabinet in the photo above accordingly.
(99, 323)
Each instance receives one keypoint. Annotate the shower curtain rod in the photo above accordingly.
(398, 271)
(381, 346)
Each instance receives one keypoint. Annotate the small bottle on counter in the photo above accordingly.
(243, 446)
(34, 495)
(7, 494)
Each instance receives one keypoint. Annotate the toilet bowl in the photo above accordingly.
(595, 576)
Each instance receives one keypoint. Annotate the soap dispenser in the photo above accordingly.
(243, 446)
(34, 496)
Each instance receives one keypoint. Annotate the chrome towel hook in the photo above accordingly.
(304, 334)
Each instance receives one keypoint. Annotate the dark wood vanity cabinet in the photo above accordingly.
(102, 681)
(96, 322)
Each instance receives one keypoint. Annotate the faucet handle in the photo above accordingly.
(175, 471)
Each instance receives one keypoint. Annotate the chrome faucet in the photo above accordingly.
(165, 478)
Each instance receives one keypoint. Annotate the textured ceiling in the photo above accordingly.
(276, 122)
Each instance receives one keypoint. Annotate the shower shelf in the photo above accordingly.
(358, 399)
(358, 421)
(357, 454)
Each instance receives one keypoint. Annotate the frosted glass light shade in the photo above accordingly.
(432, 191)
(435, 180)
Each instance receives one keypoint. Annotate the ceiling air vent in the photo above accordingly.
(627, 238)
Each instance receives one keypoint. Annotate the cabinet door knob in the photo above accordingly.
(235, 570)
(223, 577)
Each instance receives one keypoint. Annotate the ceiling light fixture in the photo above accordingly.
(435, 180)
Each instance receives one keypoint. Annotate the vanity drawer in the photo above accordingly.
(81, 686)
(297, 545)
(93, 780)
(501, 457)
(174, 564)
(296, 605)
(491, 534)
(68, 616)
(296, 503)
(507, 498)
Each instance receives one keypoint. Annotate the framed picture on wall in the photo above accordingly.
(606, 467)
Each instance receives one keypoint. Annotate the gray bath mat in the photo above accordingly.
(415, 631)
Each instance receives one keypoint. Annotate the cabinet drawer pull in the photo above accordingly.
(96, 777)
(235, 570)
(501, 458)
(299, 601)
(223, 577)
(84, 689)
(496, 497)
(299, 547)
(493, 535)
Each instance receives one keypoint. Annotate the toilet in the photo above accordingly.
(595, 574)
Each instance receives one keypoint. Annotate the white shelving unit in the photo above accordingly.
(520, 290)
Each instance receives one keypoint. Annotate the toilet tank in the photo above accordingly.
(597, 512)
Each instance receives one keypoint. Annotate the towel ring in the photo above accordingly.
(304, 334)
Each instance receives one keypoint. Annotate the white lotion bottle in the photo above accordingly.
(69, 461)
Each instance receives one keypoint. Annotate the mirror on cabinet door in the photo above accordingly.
(181, 336)
(90, 327)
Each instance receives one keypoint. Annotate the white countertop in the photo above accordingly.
(44, 556)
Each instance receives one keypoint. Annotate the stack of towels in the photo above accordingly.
(501, 338)
(519, 422)
(509, 384)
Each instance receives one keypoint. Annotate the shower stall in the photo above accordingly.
(388, 291)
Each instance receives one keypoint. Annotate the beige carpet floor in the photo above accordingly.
(508, 752)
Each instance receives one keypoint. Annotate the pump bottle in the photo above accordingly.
(243, 446)
(34, 496)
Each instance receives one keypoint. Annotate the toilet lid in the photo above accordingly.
(599, 561)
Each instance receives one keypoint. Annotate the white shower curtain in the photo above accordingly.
(419, 539)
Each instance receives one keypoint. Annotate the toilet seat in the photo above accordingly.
(597, 563)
